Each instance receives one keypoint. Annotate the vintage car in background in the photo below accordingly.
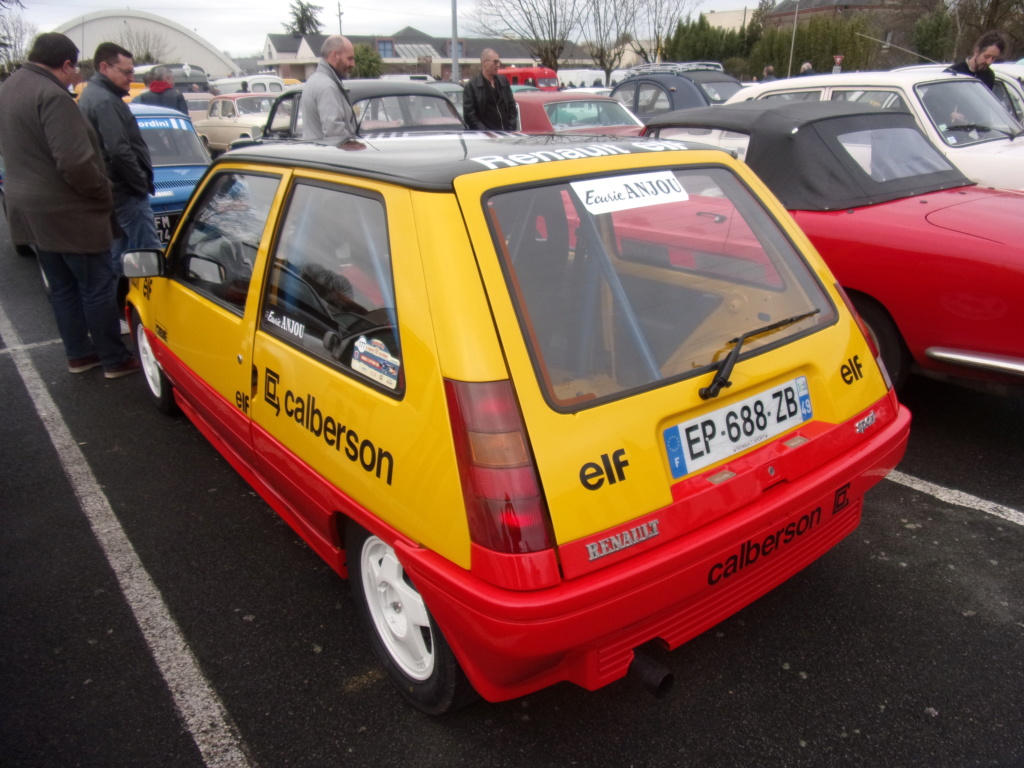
(933, 263)
(574, 112)
(452, 90)
(179, 161)
(543, 399)
(959, 115)
(1009, 89)
(233, 116)
(198, 104)
(652, 90)
(379, 105)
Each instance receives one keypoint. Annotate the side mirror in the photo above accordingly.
(143, 263)
(205, 269)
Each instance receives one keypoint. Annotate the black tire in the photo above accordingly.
(887, 338)
(159, 388)
(416, 656)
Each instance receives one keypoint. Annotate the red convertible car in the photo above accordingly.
(574, 112)
(933, 263)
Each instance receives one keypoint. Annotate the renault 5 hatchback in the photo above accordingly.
(542, 400)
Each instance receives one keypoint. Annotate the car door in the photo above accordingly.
(206, 313)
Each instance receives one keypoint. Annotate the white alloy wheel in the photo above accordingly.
(397, 610)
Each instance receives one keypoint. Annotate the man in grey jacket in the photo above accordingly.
(326, 111)
(125, 153)
(161, 91)
(59, 200)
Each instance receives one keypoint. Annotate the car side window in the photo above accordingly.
(794, 96)
(652, 100)
(214, 110)
(227, 109)
(876, 98)
(1010, 100)
(625, 94)
(218, 248)
(329, 291)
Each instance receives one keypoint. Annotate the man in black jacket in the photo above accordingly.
(487, 102)
(988, 49)
(162, 92)
(125, 153)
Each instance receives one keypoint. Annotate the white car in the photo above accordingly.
(959, 114)
(1009, 86)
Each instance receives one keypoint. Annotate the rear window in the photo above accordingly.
(172, 141)
(630, 281)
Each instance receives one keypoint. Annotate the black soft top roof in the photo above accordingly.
(432, 161)
(794, 148)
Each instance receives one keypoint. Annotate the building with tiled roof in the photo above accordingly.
(407, 51)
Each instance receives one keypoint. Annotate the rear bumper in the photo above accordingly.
(584, 630)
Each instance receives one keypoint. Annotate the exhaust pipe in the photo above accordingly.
(649, 673)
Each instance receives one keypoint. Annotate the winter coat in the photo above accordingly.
(326, 111)
(161, 94)
(124, 150)
(489, 109)
(58, 196)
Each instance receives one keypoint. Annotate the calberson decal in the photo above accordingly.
(303, 410)
(574, 153)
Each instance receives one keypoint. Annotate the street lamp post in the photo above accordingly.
(792, 42)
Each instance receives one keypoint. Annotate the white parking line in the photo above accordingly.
(205, 717)
(959, 498)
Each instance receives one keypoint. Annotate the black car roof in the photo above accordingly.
(432, 161)
(696, 75)
(794, 148)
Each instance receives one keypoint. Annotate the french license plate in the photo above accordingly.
(702, 441)
(165, 224)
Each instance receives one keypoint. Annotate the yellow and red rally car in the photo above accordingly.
(543, 399)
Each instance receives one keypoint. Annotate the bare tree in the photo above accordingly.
(147, 45)
(608, 31)
(16, 35)
(543, 27)
(656, 21)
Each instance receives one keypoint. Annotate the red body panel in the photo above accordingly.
(948, 266)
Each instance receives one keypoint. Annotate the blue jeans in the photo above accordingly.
(82, 287)
(135, 217)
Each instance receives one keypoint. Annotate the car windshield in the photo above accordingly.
(719, 92)
(583, 113)
(172, 141)
(386, 113)
(254, 105)
(966, 112)
(547, 82)
(626, 282)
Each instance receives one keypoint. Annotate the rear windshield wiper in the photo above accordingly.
(725, 369)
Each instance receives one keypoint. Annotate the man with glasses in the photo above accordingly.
(59, 201)
(487, 101)
(125, 153)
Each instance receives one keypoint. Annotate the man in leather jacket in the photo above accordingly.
(487, 102)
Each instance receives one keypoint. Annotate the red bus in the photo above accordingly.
(539, 77)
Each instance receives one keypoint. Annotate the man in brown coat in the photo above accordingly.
(59, 200)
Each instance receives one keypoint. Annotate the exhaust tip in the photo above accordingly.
(653, 676)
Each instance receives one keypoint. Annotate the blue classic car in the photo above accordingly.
(179, 161)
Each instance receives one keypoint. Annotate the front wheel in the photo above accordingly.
(412, 649)
(156, 382)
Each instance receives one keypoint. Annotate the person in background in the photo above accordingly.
(487, 101)
(162, 92)
(807, 68)
(768, 74)
(989, 47)
(326, 110)
(59, 200)
(125, 153)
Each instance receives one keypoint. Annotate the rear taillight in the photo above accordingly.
(504, 503)
(868, 335)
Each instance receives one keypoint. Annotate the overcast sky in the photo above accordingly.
(241, 26)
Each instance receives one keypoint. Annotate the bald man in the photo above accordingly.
(326, 110)
(487, 101)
